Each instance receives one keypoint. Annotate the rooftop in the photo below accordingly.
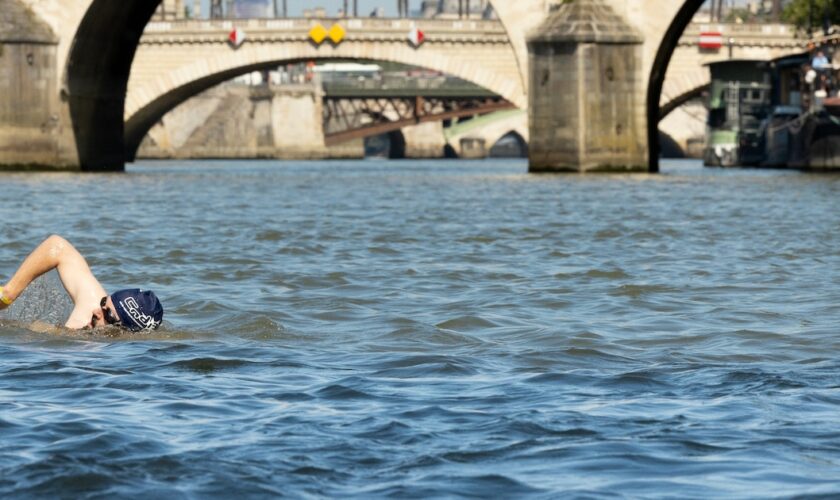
(585, 21)
(18, 24)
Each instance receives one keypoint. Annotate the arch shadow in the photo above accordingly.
(656, 80)
(98, 68)
(449, 152)
(669, 147)
(397, 145)
(391, 145)
(510, 145)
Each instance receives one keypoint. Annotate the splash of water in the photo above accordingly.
(44, 300)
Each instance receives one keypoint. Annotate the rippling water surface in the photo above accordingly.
(422, 329)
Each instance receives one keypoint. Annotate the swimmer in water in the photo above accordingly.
(132, 309)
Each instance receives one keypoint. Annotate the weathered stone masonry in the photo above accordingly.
(32, 123)
(587, 100)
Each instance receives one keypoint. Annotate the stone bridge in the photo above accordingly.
(176, 58)
(97, 41)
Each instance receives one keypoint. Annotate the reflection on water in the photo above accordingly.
(427, 329)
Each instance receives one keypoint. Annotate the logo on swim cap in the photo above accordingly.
(138, 309)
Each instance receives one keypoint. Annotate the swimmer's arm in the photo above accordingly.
(56, 253)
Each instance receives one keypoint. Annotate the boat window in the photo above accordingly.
(717, 117)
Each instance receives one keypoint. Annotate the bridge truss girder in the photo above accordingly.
(348, 118)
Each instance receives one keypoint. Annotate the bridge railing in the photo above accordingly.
(785, 30)
(444, 87)
(740, 33)
(762, 35)
(304, 25)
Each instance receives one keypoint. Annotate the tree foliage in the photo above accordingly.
(740, 15)
(817, 14)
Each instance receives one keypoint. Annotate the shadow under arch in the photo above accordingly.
(518, 147)
(396, 140)
(657, 76)
(398, 145)
(98, 68)
(669, 147)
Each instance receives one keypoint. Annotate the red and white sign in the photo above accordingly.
(236, 37)
(416, 37)
(711, 40)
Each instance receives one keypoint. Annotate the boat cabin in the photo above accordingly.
(740, 99)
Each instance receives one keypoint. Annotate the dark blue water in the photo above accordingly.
(411, 329)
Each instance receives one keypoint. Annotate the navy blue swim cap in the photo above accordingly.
(138, 309)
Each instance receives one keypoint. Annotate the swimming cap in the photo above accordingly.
(138, 309)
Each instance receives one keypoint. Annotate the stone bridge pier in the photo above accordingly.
(596, 73)
(586, 100)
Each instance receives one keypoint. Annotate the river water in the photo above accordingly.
(421, 329)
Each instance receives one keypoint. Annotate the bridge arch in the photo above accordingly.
(669, 106)
(489, 129)
(497, 134)
(682, 88)
(514, 136)
(143, 110)
(97, 71)
(656, 80)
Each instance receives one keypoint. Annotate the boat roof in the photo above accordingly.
(792, 60)
(737, 61)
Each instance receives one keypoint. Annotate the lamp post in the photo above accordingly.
(826, 24)
(402, 8)
(216, 9)
(777, 10)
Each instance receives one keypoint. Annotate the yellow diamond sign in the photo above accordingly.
(318, 33)
(337, 33)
